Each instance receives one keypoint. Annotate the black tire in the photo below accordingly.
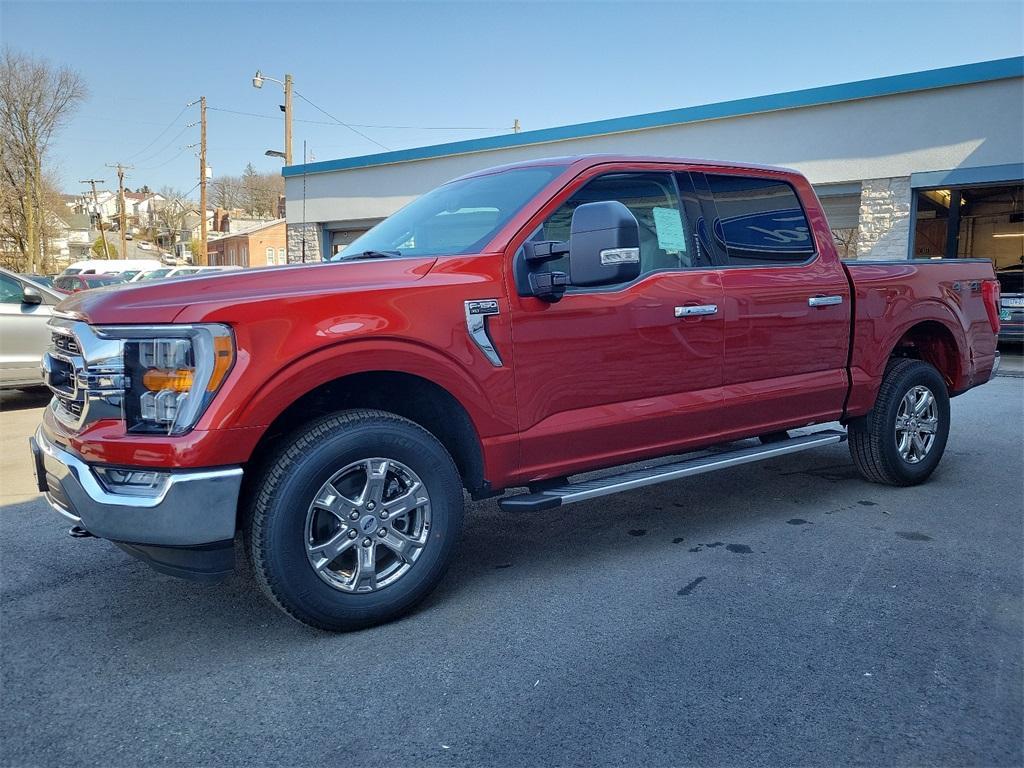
(274, 524)
(872, 438)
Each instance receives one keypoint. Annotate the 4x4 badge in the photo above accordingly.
(477, 312)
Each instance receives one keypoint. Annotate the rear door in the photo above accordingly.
(627, 370)
(786, 302)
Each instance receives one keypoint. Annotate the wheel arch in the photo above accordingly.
(408, 395)
(933, 342)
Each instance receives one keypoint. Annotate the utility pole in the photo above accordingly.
(515, 126)
(202, 182)
(99, 213)
(287, 119)
(122, 219)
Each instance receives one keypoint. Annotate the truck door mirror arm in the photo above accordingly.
(547, 285)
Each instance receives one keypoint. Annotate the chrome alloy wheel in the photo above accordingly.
(916, 424)
(367, 525)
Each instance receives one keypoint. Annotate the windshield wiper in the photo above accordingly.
(371, 255)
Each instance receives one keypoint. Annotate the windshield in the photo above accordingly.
(459, 217)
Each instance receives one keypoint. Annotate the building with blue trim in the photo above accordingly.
(926, 164)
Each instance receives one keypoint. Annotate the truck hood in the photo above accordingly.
(161, 301)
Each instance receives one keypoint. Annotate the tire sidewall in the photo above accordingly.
(924, 375)
(284, 525)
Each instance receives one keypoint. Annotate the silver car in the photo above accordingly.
(25, 309)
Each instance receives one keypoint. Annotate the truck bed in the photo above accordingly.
(894, 302)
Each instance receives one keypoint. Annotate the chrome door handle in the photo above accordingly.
(700, 309)
(824, 301)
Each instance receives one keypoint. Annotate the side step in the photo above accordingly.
(570, 493)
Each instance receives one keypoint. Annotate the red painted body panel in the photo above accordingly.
(597, 379)
(892, 298)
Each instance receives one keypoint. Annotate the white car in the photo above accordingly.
(25, 309)
(165, 273)
(110, 266)
(144, 246)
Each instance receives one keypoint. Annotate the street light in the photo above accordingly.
(257, 82)
(275, 153)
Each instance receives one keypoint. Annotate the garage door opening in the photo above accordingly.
(971, 222)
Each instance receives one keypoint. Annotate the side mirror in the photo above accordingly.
(604, 244)
(31, 295)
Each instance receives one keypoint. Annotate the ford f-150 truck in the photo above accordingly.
(508, 330)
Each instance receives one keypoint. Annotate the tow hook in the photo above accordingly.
(78, 532)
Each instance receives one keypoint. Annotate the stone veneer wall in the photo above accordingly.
(295, 243)
(884, 218)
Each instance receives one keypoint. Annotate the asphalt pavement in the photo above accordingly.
(773, 614)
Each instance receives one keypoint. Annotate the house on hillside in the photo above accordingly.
(263, 245)
(141, 208)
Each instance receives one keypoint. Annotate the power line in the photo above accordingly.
(165, 130)
(166, 162)
(365, 125)
(154, 155)
(340, 122)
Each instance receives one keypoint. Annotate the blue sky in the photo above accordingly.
(451, 65)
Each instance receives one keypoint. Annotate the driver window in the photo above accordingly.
(10, 290)
(666, 241)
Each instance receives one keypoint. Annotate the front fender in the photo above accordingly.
(346, 358)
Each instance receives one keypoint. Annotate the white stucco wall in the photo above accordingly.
(884, 137)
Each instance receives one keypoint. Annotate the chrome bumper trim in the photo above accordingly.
(995, 365)
(190, 508)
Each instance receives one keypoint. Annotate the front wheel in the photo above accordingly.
(901, 440)
(355, 521)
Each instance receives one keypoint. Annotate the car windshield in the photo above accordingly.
(457, 218)
(72, 271)
(94, 282)
(153, 274)
(1011, 280)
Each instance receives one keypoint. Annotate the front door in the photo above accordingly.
(621, 371)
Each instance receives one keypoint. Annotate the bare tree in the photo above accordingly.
(36, 100)
(252, 192)
(172, 212)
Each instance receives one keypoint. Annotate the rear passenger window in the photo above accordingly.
(760, 221)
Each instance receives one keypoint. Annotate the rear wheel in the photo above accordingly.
(355, 521)
(902, 439)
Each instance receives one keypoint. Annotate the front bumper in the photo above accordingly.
(187, 509)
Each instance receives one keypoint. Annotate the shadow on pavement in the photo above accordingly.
(19, 399)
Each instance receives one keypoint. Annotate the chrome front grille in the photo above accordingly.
(85, 372)
(64, 342)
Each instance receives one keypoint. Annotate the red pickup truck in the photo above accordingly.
(510, 329)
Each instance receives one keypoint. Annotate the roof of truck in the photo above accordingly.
(588, 161)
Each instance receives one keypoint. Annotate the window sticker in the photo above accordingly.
(669, 226)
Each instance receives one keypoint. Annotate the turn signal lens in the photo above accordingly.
(223, 357)
(157, 380)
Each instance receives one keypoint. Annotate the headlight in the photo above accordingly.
(172, 373)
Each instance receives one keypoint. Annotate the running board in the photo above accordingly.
(569, 493)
